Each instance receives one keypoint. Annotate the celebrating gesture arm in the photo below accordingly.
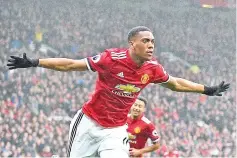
(183, 85)
(60, 64)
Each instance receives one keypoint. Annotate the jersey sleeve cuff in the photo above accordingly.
(155, 141)
(165, 81)
(89, 67)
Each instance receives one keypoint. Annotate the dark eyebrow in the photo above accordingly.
(150, 39)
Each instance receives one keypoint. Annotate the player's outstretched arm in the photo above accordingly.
(138, 152)
(183, 85)
(60, 64)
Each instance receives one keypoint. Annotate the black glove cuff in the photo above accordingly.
(35, 62)
(209, 90)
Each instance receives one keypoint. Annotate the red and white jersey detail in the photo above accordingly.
(120, 55)
(119, 82)
(140, 130)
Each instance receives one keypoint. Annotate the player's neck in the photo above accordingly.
(135, 117)
(134, 57)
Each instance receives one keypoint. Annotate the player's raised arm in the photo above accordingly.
(60, 64)
(183, 85)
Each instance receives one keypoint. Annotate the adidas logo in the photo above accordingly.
(120, 74)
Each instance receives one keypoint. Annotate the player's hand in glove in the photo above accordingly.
(17, 62)
(216, 90)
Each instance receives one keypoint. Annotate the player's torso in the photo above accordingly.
(124, 78)
(118, 87)
(138, 133)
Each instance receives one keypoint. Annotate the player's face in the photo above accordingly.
(137, 108)
(143, 45)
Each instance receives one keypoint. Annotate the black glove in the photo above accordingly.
(216, 90)
(18, 62)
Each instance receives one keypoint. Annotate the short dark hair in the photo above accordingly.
(134, 31)
(142, 99)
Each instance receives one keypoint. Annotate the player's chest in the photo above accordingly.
(123, 73)
(137, 128)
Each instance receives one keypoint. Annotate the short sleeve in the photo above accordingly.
(98, 62)
(160, 75)
(152, 133)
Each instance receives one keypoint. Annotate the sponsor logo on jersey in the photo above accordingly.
(145, 78)
(137, 130)
(127, 90)
(131, 136)
(133, 141)
(122, 94)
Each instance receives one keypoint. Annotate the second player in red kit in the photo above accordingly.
(140, 129)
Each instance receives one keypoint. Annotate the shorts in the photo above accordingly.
(88, 139)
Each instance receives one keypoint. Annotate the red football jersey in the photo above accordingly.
(119, 82)
(140, 130)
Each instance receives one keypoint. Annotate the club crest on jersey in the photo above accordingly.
(145, 78)
(95, 58)
(137, 130)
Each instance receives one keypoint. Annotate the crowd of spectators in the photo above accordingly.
(36, 104)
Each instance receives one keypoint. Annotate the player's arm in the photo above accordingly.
(139, 152)
(183, 85)
(60, 64)
(151, 148)
(63, 64)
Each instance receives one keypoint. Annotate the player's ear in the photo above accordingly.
(130, 43)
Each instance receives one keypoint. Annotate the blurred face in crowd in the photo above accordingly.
(142, 45)
(137, 108)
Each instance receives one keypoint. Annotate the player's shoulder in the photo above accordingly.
(117, 53)
(116, 50)
(146, 120)
(153, 62)
(129, 117)
(154, 65)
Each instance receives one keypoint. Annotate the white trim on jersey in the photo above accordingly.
(155, 141)
(153, 62)
(145, 120)
(87, 64)
(120, 55)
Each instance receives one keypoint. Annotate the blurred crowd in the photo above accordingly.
(36, 104)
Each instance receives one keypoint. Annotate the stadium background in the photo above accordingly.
(192, 41)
